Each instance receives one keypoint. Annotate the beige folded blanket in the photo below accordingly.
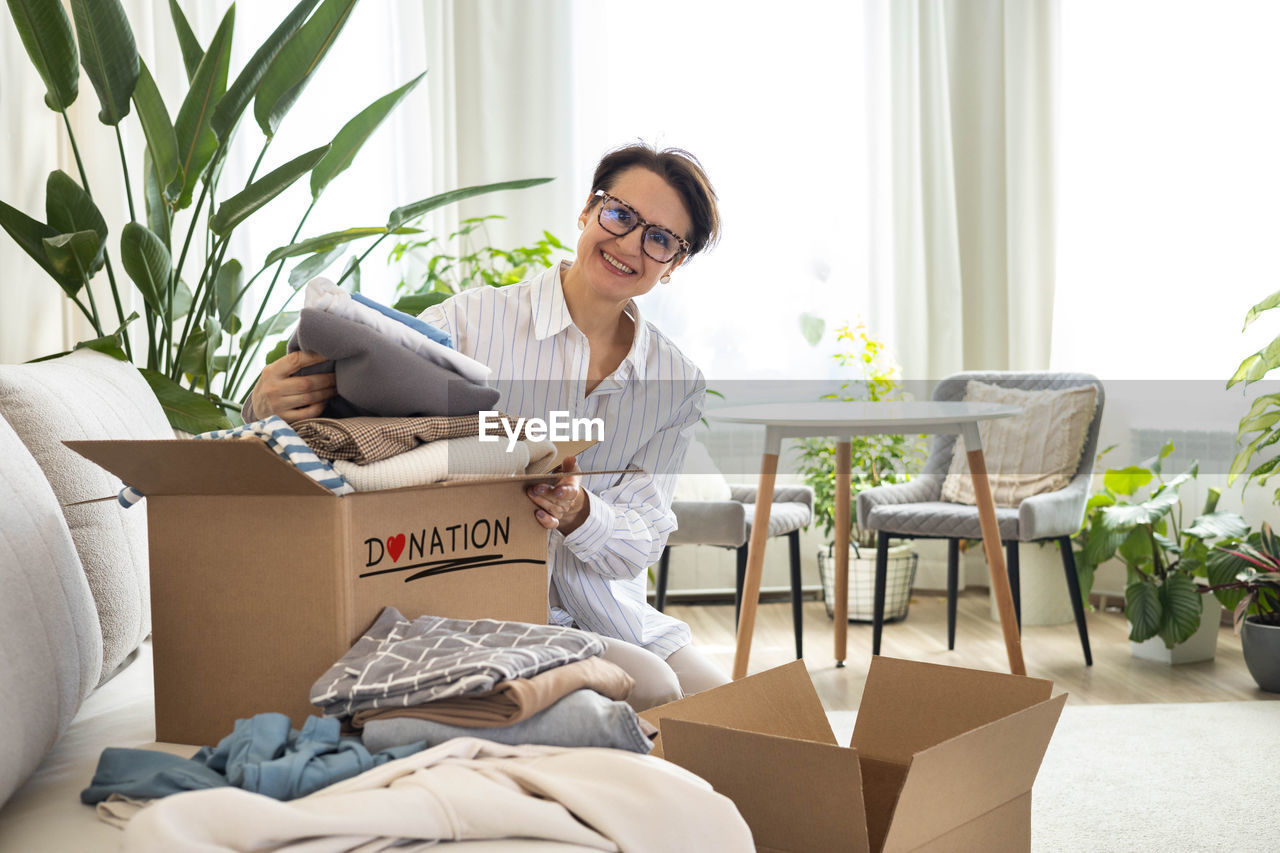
(368, 439)
(450, 459)
(516, 699)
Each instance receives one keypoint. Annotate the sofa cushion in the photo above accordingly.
(88, 395)
(1031, 453)
(48, 625)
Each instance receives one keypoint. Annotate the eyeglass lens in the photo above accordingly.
(658, 243)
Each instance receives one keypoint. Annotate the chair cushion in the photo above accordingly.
(88, 395)
(784, 517)
(700, 479)
(720, 523)
(939, 519)
(1035, 452)
(48, 626)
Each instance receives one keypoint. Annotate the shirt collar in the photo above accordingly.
(551, 317)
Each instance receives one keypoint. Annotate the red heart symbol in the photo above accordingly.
(395, 546)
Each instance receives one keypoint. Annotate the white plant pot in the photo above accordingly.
(1201, 646)
(862, 575)
(1042, 592)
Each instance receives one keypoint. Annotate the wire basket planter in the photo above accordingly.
(900, 578)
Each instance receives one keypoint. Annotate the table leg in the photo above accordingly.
(755, 563)
(840, 607)
(995, 557)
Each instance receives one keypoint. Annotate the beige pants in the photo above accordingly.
(685, 672)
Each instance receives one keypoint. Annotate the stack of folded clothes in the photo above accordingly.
(432, 679)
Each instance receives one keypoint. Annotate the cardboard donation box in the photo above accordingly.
(942, 759)
(261, 578)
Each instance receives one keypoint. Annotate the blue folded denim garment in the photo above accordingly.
(583, 718)
(409, 320)
(263, 754)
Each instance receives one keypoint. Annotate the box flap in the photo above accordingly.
(753, 769)
(233, 466)
(780, 701)
(908, 706)
(969, 775)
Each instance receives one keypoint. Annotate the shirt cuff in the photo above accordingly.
(590, 537)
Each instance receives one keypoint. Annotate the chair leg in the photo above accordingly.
(740, 581)
(660, 592)
(797, 609)
(1015, 579)
(1077, 601)
(882, 578)
(953, 589)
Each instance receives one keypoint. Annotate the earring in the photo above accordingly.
(582, 223)
(666, 279)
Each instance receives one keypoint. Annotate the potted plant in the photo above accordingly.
(200, 334)
(437, 269)
(1138, 518)
(875, 460)
(1246, 578)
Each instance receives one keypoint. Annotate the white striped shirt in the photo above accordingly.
(649, 405)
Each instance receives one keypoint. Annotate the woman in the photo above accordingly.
(572, 339)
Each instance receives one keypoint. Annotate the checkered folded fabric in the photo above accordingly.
(400, 664)
(370, 439)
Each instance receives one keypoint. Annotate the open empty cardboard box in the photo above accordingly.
(942, 758)
(261, 578)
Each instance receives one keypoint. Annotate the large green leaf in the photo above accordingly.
(1220, 524)
(46, 34)
(157, 208)
(108, 53)
(416, 303)
(241, 206)
(1180, 607)
(73, 254)
(185, 409)
(112, 344)
(1148, 512)
(197, 355)
(1245, 369)
(1142, 608)
(353, 135)
(147, 262)
(1126, 481)
(1222, 568)
(1135, 550)
(323, 243)
(192, 52)
(313, 266)
(239, 93)
(298, 58)
(196, 141)
(1265, 305)
(162, 142)
(408, 212)
(280, 323)
(30, 234)
(69, 209)
(225, 287)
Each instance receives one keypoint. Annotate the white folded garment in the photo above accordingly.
(324, 295)
(466, 788)
(449, 459)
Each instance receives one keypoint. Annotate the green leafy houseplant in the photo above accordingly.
(876, 459)
(465, 259)
(1259, 429)
(1138, 518)
(200, 343)
(1246, 577)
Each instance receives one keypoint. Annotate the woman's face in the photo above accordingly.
(615, 267)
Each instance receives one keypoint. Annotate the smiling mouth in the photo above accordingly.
(615, 263)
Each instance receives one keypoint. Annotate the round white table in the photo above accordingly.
(840, 421)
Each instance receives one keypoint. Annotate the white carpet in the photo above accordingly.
(1169, 778)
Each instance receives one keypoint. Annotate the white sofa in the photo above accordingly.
(74, 612)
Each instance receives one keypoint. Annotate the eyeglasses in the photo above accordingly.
(619, 219)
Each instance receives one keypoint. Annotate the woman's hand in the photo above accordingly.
(292, 398)
(562, 505)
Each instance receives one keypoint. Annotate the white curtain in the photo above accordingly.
(964, 158)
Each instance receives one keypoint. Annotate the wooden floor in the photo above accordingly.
(1051, 652)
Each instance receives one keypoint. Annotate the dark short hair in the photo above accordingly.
(678, 168)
